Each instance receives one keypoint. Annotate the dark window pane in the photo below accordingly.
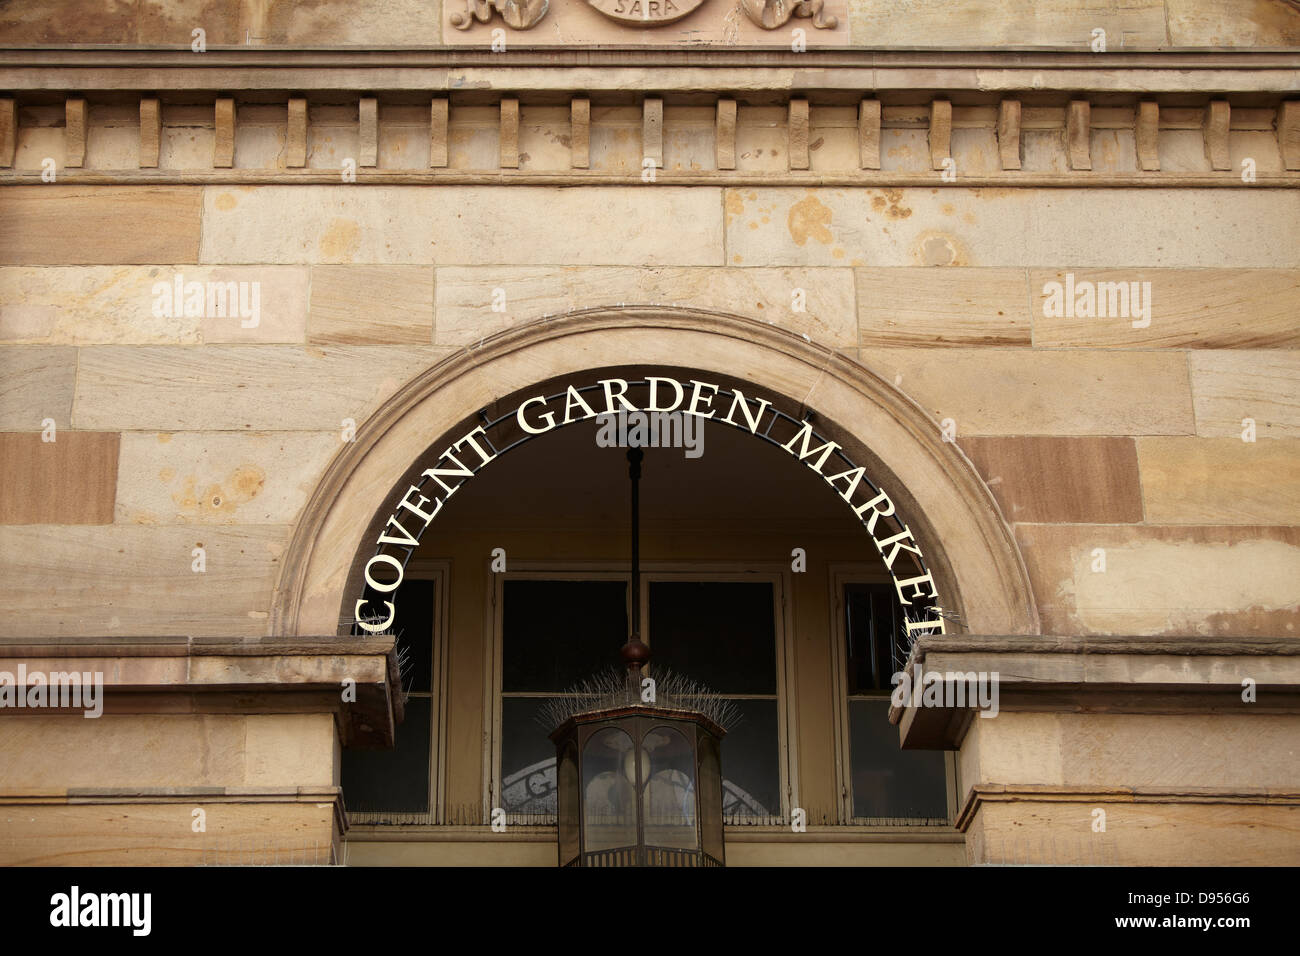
(720, 633)
(751, 763)
(414, 603)
(394, 780)
(871, 627)
(527, 758)
(557, 633)
(887, 781)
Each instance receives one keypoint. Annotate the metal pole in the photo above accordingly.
(635, 653)
(634, 456)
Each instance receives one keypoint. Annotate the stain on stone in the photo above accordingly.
(890, 202)
(247, 481)
(735, 205)
(938, 249)
(809, 219)
(341, 240)
(226, 201)
(241, 486)
(187, 497)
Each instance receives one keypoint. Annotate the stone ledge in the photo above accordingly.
(254, 61)
(134, 795)
(1101, 644)
(665, 177)
(231, 675)
(178, 646)
(371, 833)
(1115, 675)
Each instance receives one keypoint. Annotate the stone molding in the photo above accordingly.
(1112, 675)
(308, 69)
(1128, 95)
(796, 178)
(166, 675)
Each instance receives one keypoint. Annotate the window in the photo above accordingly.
(723, 634)
(555, 633)
(401, 785)
(872, 621)
(880, 782)
(720, 630)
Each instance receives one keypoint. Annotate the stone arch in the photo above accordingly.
(970, 549)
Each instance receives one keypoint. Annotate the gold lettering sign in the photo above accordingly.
(645, 13)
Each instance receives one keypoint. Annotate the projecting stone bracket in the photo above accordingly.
(1115, 675)
(171, 675)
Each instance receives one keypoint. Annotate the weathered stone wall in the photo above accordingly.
(1209, 791)
(928, 210)
(180, 433)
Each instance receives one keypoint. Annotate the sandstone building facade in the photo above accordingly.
(1031, 268)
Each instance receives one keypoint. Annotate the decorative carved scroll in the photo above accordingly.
(770, 14)
(520, 14)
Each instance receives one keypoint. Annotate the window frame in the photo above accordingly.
(437, 571)
(775, 573)
(842, 574)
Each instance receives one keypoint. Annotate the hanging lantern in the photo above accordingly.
(639, 785)
(639, 767)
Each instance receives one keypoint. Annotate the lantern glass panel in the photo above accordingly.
(609, 790)
(710, 786)
(670, 790)
(568, 805)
